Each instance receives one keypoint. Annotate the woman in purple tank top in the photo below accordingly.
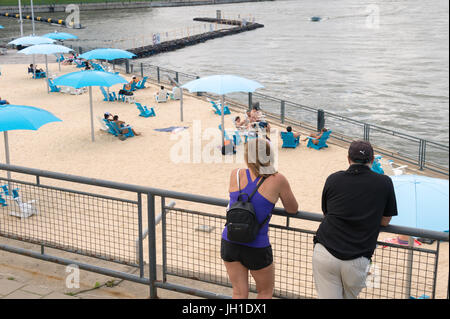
(256, 256)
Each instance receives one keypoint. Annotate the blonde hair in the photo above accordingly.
(259, 156)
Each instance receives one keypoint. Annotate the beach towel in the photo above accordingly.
(395, 240)
(171, 129)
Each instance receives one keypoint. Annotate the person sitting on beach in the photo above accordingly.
(69, 60)
(261, 177)
(122, 124)
(3, 102)
(134, 79)
(126, 90)
(108, 116)
(256, 112)
(317, 136)
(33, 69)
(87, 66)
(296, 134)
(240, 124)
(162, 91)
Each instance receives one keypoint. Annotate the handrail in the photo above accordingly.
(203, 199)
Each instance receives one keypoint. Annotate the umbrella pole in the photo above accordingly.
(5, 134)
(223, 120)
(92, 114)
(48, 79)
(181, 103)
(34, 66)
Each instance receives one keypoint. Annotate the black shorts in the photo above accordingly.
(252, 258)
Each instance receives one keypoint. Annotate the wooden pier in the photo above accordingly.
(176, 44)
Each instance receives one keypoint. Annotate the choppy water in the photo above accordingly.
(395, 75)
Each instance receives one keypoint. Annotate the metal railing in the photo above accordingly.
(105, 220)
(407, 148)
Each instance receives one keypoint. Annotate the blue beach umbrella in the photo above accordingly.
(60, 36)
(31, 40)
(89, 79)
(107, 54)
(221, 85)
(19, 117)
(422, 202)
(46, 49)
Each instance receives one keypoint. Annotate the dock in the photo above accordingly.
(172, 45)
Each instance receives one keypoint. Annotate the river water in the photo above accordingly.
(382, 62)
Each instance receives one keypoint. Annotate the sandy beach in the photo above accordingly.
(148, 160)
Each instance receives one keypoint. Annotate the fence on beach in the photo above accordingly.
(118, 223)
(424, 154)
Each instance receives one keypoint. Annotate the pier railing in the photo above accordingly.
(420, 152)
(113, 224)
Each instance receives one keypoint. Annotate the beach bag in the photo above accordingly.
(242, 224)
(229, 148)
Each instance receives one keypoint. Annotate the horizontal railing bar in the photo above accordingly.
(204, 199)
(66, 262)
(70, 191)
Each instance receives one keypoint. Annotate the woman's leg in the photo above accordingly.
(238, 275)
(265, 281)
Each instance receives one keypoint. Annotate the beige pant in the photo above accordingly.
(338, 279)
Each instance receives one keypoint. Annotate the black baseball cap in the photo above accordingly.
(360, 152)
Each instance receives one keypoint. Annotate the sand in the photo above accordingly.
(148, 159)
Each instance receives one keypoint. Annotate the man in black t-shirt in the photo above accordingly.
(355, 203)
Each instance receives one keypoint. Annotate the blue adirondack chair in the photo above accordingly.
(80, 64)
(322, 141)
(111, 97)
(145, 112)
(53, 87)
(110, 128)
(97, 67)
(376, 165)
(141, 83)
(217, 108)
(2, 201)
(38, 75)
(59, 58)
(289, 141)
(116, 131)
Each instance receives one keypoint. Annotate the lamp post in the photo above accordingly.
(20, 18)
(32, 16)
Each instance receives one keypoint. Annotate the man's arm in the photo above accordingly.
(385, 220)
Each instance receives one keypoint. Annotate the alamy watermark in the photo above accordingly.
(205, 146)
(73, 277)
(373, 16)
(73, 19)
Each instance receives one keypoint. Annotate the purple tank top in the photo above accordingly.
(262, 207)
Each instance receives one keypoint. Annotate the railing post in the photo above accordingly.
(131, 68)
(142, 70)
(151, 245)
(422, 152)
(198, 93)
(127, 67)
(366, 132)
(250, 102)
(158, 74)
(320, 119)
(164, 239)
(282, 111)
(140, 250)
(176, 76)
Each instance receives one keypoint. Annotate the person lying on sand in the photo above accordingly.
(3, 102)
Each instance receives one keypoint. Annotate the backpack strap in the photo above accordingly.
(237, 177)
(259, 184)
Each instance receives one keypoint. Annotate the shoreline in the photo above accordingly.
(120, 5)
